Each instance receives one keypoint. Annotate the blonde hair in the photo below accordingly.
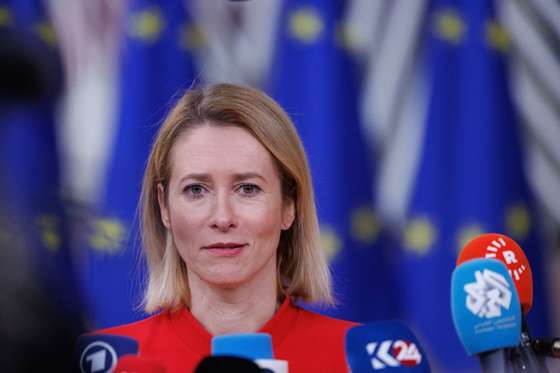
(302, 269)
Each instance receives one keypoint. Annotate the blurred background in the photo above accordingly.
(426, 123)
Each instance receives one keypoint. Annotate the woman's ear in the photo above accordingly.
(164, 211)
(288, 214)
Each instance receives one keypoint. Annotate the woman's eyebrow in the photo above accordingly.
(197, 177)
(248, 175)
(236, 177)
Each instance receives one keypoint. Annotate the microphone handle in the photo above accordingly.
(495, 361)
(524, 359)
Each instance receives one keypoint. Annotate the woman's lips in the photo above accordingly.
(225, 249)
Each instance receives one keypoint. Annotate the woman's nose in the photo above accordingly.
(223, 217)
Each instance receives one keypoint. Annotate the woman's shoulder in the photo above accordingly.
(316, 321)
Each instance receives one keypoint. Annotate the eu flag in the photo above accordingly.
(33, 219)
(470, 178)
(156, 67)
(314, 78)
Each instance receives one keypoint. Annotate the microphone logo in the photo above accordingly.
(391, 353)
(499, 246)
(488, 295)
(98, 357)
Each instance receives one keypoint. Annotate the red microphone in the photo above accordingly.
(505, 249)
(137, 364)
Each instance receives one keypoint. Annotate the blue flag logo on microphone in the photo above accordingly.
(485, 306)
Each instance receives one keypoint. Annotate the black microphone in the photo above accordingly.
(223, 364)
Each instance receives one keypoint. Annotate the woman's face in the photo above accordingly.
(224, 206)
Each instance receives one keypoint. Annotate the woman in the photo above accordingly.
(231, 237)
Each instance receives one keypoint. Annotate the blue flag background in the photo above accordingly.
(316, 80)
(33, 218)
(156, 68)
(470, 180)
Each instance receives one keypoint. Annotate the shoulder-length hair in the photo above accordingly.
(302, 269)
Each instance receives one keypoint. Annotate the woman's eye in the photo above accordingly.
(194, 191)
(249, 189)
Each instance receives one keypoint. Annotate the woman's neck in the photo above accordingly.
(243, 309)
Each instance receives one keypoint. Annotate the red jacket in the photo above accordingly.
(308, 341)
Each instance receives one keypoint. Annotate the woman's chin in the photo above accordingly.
(226, 281)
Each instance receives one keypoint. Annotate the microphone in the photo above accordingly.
(99, 353)
(221, 364)
(137, 364)
(385, 345)
(486, 311)
(503, 248)
(252, 346)
(249, 346)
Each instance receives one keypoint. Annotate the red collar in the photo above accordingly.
(192, 333)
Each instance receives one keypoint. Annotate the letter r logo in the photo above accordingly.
(509, 256)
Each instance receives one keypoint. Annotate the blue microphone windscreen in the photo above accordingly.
(485, 306)
(250, 346)
(384, 346)
(99, 353)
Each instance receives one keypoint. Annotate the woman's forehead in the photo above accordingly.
(224, 149)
